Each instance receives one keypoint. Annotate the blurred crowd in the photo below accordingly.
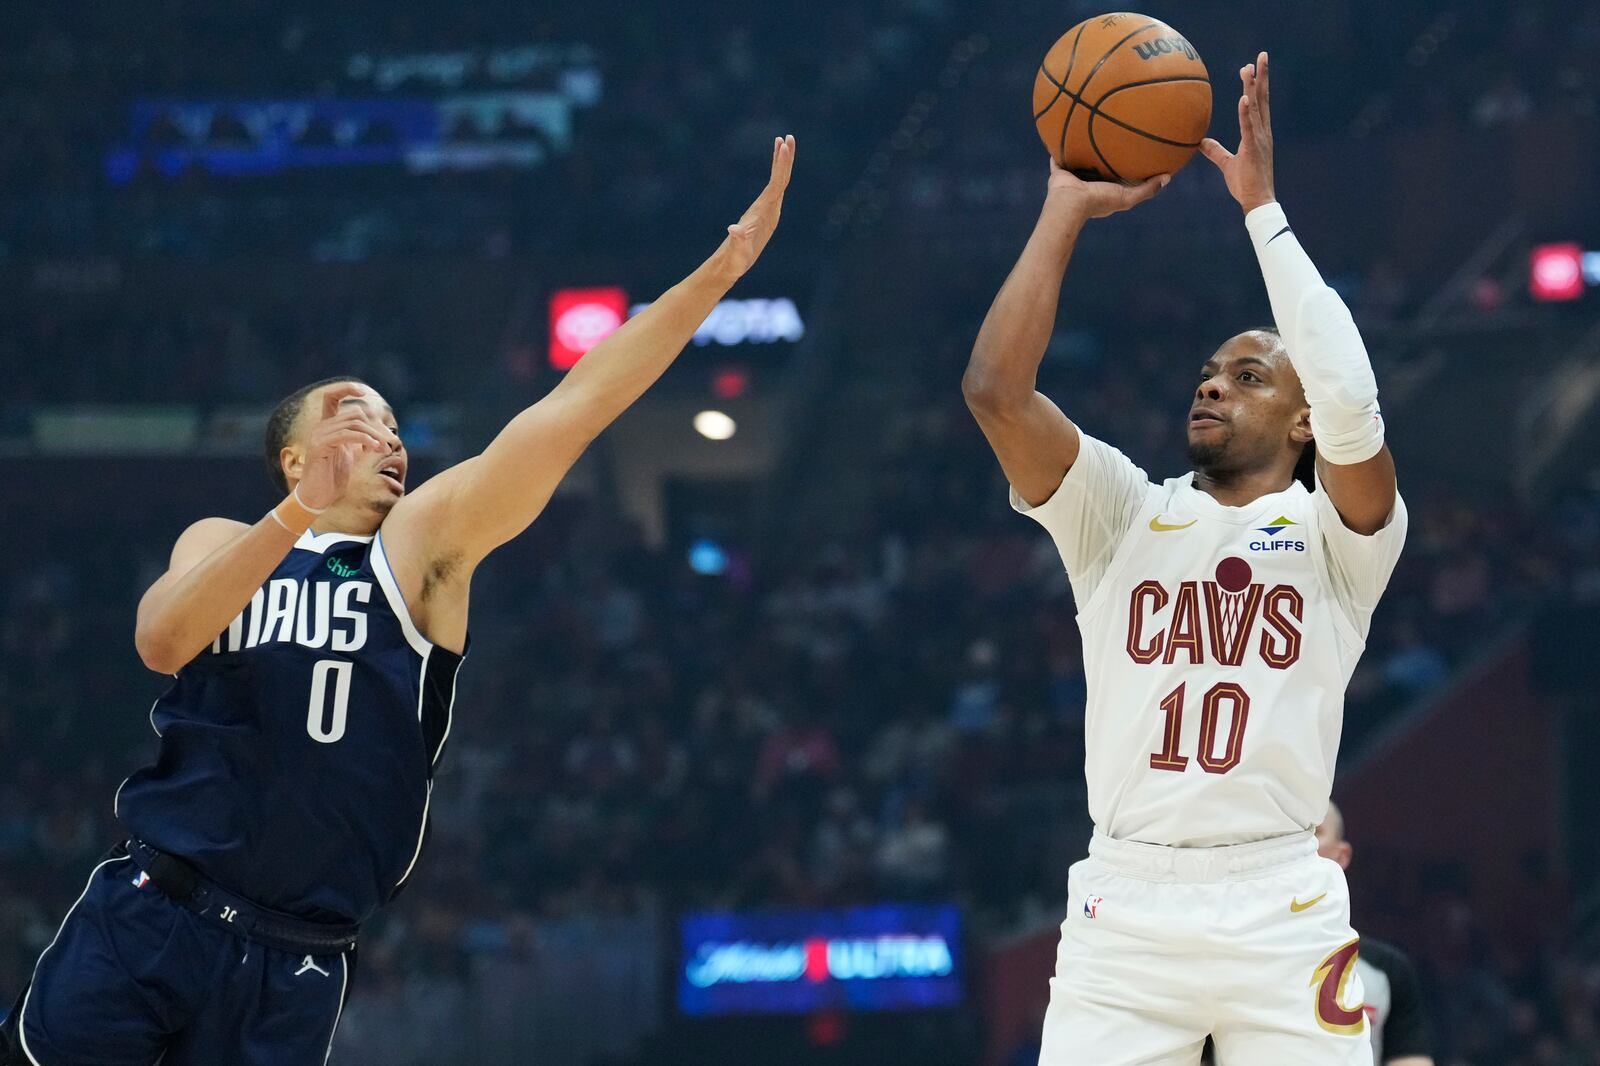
(889, 711)
(883, 700)
(679, 105)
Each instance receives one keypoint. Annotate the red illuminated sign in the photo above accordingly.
(1555, 272)
(581, 319)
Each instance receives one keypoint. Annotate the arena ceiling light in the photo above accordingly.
(714, 425)
(1559, 271)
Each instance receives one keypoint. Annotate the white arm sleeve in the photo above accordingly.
(1285, 267)
(1322, 341)
(1090, 512)
(1359, 564)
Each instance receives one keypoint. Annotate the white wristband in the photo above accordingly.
(305, 517)
(302, 503)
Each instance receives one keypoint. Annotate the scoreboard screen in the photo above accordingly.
(889, 957)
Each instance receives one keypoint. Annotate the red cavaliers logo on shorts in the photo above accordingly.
(1329, 979)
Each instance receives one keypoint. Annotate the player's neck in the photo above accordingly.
(356, 521)
(1236, 488)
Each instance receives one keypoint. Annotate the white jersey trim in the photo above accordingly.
(22, 1011)
(397, 602)
(422, 835)
(449, 718)
(344, 988)
(449, 713)
(321, 542)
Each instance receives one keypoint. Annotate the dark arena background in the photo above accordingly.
(769, 749)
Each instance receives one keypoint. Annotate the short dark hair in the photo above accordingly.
(280, 424)
(1305, 467)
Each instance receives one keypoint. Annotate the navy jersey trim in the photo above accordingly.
(397, 601)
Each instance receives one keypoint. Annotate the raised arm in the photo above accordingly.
(1353, 462)
(1035, 442)
(469, 510)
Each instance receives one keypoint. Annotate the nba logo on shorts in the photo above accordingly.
(1091, 906)
(142, 880)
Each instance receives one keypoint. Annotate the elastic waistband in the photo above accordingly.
(187, 887)
(1229, 862)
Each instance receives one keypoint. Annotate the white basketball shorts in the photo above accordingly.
(1250, 944)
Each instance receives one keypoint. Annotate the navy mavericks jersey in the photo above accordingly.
(297, 752)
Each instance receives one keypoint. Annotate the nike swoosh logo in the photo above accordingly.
(1296, 906)
(1161, 527)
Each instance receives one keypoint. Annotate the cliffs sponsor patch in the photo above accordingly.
(1274, 543)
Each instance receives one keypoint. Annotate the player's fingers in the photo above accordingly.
(1246, 128)
(1264, 91)
(1250, 119)
(1138, 194)
(337, 395)
(782, 165)
(358, 417)
(356, 440)
(354, 432)
(1213, 150)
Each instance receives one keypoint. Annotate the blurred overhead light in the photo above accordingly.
(1555, 272)
(730, 382)
(707, 557)
(714, 425)
(1591, 267)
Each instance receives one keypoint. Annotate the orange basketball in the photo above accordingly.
(1122, 97)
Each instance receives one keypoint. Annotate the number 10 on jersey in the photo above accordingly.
(1224, 694)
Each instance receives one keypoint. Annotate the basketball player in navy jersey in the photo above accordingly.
(315, 655)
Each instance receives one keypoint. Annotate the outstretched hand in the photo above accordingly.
(1097, 199)
(1248, 171)
(748, 236)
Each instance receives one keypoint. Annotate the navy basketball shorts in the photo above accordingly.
(132, 976)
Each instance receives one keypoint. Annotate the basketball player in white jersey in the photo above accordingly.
(1222, 614)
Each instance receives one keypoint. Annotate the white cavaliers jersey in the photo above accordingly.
(1217, 642)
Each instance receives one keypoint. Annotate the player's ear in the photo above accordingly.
(1343, 854)
(292, 463)
(1300, 432)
